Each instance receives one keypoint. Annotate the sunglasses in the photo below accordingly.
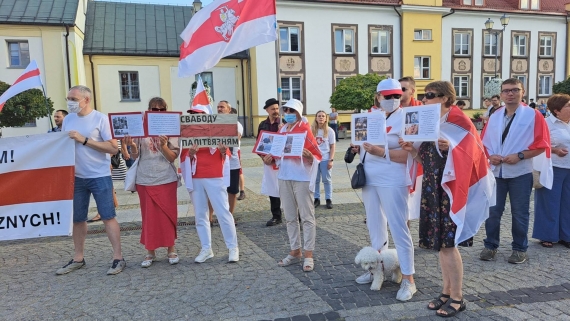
(430, 95)
(288, 109)
(158, 109)
(404, 89)
(394, 96)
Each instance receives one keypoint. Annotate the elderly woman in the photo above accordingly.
(386, 192)
(156, 183)
(296, 178)
(551, 216)
(326, 139)
(439, 213)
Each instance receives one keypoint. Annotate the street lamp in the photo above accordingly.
(489, 26)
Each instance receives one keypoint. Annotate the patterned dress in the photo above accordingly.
(437, 230)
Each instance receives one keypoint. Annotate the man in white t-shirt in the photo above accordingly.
(93, 143)
(224, 107)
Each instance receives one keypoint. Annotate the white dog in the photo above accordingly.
(379, 264)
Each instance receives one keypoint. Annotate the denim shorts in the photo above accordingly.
(102, 190)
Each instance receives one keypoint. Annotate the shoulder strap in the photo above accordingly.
(506, 131)
(363, 158)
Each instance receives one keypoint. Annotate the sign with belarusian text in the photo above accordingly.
(208, 130)
(36, 186)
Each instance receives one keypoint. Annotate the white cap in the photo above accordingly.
(295, 104)
(389, 87)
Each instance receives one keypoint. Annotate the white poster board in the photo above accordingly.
(123, 124)
(421, 123)
(368, 128)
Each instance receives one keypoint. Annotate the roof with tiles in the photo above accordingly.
(38, 12)
(546, 6)
(379, 2)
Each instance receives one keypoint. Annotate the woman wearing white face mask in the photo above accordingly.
(386, 192)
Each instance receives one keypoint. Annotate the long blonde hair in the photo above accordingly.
(316, 126)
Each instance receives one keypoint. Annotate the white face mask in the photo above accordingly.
(73, 106)
(389, 105)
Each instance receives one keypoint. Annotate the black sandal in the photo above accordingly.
(438, 303)
(451, 311)
(546, 244)
(567, 244)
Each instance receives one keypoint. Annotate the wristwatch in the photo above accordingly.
(520, 155)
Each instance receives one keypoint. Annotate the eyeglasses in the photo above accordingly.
(74, 99)
(394, 96)
(512, 90)
(430, 95)
(158, 109)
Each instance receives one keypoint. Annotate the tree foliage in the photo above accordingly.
(23, 107)
(562, 87)
(355, 92)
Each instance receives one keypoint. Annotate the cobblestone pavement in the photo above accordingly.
(255, 288)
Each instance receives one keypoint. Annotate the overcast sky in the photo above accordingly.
(173, 2)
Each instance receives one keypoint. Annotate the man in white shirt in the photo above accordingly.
(93, 143)
(224, 107)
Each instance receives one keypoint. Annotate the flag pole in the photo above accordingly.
(47, 107)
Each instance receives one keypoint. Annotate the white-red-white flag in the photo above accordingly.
(201, 102)
(28, 80)
(223, 28)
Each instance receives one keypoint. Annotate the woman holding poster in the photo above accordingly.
(386, 192)
(327, 140)
(447, 217)
(296, 185)
(156, 183)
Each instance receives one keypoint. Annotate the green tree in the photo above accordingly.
(562, 87)
(23, 107)
(355, 92)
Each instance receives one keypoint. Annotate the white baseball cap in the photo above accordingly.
(295, 104)
(389, 86)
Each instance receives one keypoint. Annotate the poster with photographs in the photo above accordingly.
(123, 124)
(368, 128)
(280, 144)
(421, 123)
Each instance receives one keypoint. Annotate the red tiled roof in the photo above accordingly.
(546, 6)
(380, 2)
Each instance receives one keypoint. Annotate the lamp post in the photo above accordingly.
(489, 26)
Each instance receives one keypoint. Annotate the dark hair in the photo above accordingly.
(409, 79)
(496, 96)
(445, 88)
(233, 111)
(556, 102)
(153, 102)
(64, 112)
(512, 81)
(460, 103)
(486, 98)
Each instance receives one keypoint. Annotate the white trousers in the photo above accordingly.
(297, 198)
(213, 189)
(390, 205)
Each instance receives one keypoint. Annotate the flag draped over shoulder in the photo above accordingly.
(29, 79)
(223, 28)
(529, 131)
(467, 177)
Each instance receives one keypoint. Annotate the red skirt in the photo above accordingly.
(159, 213)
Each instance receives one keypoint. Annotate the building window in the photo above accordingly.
(421, 67)
(289, 40)
(473, 2)
(534, 4)
(423, 34)
(519, 45)
(522, 78)
(344, 41)
(338, 79)
(486, 79)
(30, 123)
(380, 42)
(462, 42)
(130, 90)
(545, 85)
(461, 84)
(19, 54)
(208, 78)
(490, 44)
(291, 88)
(545, 48)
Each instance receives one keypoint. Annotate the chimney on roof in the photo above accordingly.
(197, 5)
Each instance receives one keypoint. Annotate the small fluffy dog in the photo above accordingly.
(379, 264)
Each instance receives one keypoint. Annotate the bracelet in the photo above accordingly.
(86, 139)
(415, 156)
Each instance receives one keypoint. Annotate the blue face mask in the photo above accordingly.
(290, 118)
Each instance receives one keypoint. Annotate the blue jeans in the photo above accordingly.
(519, 190)
(102, 190)
(325, 174)
(335, 128)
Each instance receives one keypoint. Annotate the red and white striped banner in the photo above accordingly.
(36, 186)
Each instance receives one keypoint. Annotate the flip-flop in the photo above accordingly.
(546, 244)
(290, 259)
(93, 220)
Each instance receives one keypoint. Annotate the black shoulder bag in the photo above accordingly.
(116, 160)
(359, 178)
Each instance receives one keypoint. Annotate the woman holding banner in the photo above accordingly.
(156, 183)
(296, 185)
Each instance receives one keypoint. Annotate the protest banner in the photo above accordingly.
(421, 124)
(162, 123)
(123, 124)
(368, 128)
(36, 193)
(208, 130)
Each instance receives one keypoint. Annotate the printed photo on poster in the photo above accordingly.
(368, 128)
(123, 124)
(421, 123)
(279, 144)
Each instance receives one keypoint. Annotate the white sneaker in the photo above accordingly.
(234, 255)
(406, 291)
(365, 278)
(204, 255)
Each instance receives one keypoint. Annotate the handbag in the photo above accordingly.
(131, 176)
(116, 160)
(536, 180)
(358, 177)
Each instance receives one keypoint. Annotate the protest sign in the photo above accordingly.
(162, 123)
(209, 130)
(368, 128)
(280, 144)
(421, 124)
(123, 124)
(36, 193)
